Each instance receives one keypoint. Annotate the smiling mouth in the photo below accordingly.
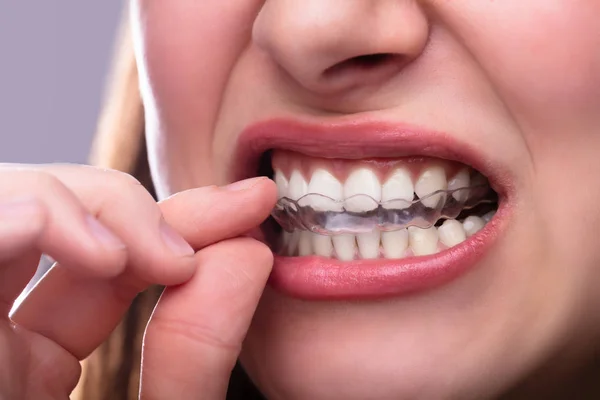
(371, 209)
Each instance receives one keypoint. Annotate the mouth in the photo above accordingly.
(368, 209)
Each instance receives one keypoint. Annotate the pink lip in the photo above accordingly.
(322, 278)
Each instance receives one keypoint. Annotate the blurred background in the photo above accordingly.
(54, 57)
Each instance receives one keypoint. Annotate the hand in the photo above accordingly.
(112, 240)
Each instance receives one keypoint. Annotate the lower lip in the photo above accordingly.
(319, 278)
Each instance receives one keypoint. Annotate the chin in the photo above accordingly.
(444, 310)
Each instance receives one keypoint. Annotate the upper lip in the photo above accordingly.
(361, 139)
(325, 278)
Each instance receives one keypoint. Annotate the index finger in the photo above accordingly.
(226, 214)
(79, 313)
(196, 332)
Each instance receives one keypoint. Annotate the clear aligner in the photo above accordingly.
(323, 215)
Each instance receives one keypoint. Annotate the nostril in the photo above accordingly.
(371, 60)
(367, 62)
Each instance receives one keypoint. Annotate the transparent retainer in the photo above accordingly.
(323, 215)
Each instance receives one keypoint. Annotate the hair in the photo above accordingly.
(112, 371)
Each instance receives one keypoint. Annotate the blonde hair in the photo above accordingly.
(112, 371)
(120, 128)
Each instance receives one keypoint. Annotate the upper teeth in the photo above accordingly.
(460, 180)
(431, 180)
(398, 185)
(325, 183)
(297, 186)
(362, 181)
(365, 182)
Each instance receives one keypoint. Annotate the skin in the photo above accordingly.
(519, 80)
(133, 242)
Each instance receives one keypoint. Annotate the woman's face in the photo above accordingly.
(509, 88)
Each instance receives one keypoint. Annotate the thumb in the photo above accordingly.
(195, 334)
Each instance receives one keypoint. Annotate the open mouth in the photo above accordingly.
(376, 208)
(375, 215)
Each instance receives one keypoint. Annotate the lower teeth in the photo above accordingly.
(397, 244)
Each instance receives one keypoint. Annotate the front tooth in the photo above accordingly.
(394, 243)
(304, 244)
(452, 233)
(368, 245)
(282, 184)
(325, 184)
(473, 224)
(423, 242)
(362, 181)
(322, 245)
(345, 247)
(460, 180)
(399, 186)
(297, 187)
(431, 180)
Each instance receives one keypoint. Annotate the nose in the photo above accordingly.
(332, 46)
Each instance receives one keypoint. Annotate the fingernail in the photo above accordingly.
(245, 184)
(175, 242)
(104, 235)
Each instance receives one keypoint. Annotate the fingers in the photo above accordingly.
(196, 332)
(17, 239)
(87, 309)
(39, 214)
(155, 252)
(69, 232)
(51, 372)
(17, 236)
(226, 213)
(75, 309)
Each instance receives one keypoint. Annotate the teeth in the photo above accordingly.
(362, 181)
(368, 245)
(292, 242)
(362, 192)
(394, 243)
(345, 247)
(304, 244)
(423, 242)
(297, 186)
(322, 245)
(460, 180)
(488, 217)
(431, 180)
(398, 186)
(452, 233)
(282, 184)
(285, 238)
(473, 224)
(322, 182)
(375, 245)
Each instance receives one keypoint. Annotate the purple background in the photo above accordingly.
(54, 55)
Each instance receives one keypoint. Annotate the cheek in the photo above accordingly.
(186, 50)
(542, 55)
(543, 58)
